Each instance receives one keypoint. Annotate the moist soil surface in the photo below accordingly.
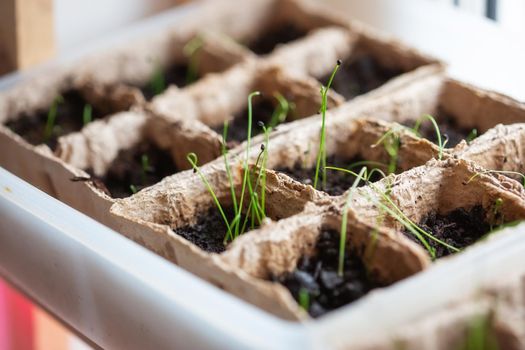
(360, 76)
(69, 118)
(140, 166)
(280, 34)
(209, 231)
(317, 276)
(447, 126)
(337, 182)
(177, 74)
(262, 111)
(459, 228)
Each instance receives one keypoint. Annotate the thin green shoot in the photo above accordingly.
(193, 160)
(503, 172)
(190, 51)
(479, 335)
(344, 222)
(158, 81)
(224, 150)
(256, 206)
(246, 175)
(441, 143)
(391, 143)
(281, 112)
(51, 118)
(145, 168)
(87, 114)
(304, 299)
(472, 135)
(133, 189)
(321, 154)
(393, 210)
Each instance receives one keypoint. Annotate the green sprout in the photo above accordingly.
(321, 155)
(145, 168)
(87, 114)
(479, 335)
(393, 210)
(497, 211)
(472, 135)
(344, 222)
(133, 189)
(256, 206)
(284, 107)
(503, 172)
(51, 118)
(441, 143)
(158, 80)
(193, 160)
(391, 141)
(190, 51)
(246, 169)
(304, 299)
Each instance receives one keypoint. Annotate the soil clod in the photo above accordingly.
(317, 275)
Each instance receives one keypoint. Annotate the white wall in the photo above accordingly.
(77, 21)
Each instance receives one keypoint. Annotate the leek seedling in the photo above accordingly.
(479, 335)
(246, 175)
(391, 142)
(472, 135)
(87, 114)
(321, 155)
(190, 51)
(51, 118)
(224, 150)
(393, 210)
(503, 172)
(133, 189)
(441, 143)
(145, 168)
(193, 160)
(304, 299)
(344, 222)
(281, 111)
(158, 81)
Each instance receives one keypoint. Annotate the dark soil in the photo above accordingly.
(69, 118)
(177, 74)
(459, 228)
(447, 126)
(262, 111)
(337, 182)
(360, 76)
(209, 231)
(127, 170)
(282, 34)
(318, 276)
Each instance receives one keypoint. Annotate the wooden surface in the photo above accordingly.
(26, 33)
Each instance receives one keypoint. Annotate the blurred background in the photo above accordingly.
(459, 31)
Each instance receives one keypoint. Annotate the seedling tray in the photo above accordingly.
(401, 84)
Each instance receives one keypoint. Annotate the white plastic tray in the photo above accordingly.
(119, 295)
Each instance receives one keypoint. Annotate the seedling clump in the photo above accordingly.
(246, 211)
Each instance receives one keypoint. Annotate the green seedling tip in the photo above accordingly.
(441, 143)
(87, 114)
(193, 160)
(51, 118)
(133, 189)
(321, 154)
(304, 299)
(190, 51)
(472, 135)
(344, 222)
